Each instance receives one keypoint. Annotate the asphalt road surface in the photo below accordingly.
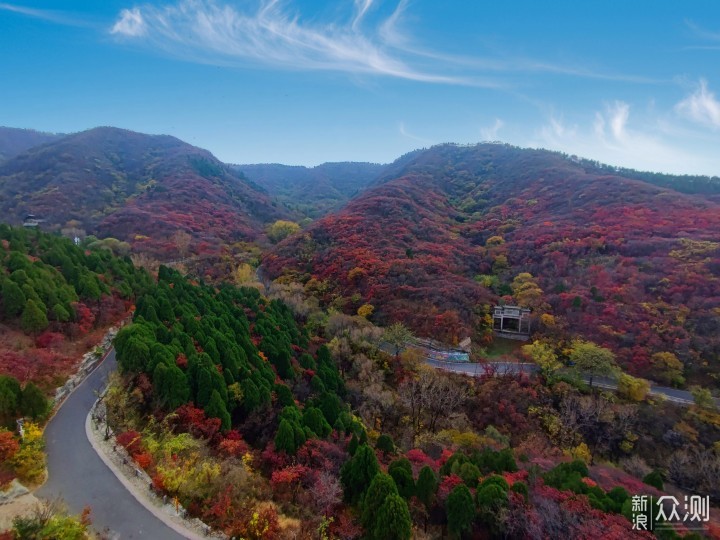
(79, 477)
(505, 368)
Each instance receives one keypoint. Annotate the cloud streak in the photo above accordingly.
(701, 106)
(652, 144)
(57, 17)
(212, 32)
(269, 33)
(130, 24)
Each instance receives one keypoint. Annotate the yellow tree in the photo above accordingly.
(244, 274)
(281, 229)
(543, 355)
(667, 368)
(593, 360)
(526, 291)
(633, 388)
(365, 310)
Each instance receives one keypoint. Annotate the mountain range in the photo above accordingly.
(313, 191)
(628, 259)
(449, 230)
(137, 188)
(14, 141)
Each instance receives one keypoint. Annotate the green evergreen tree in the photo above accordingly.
(251, 396)
(205, 387)
(170, 385)
(60, 313)
(313, 418)
(491, 498)
(33, 402)
(89, 287)
(9, 398)
(34, 318)
(357, 473)
(380, 487)
(353, 445)
(13, 299)
(281, 361)
(426, 487)
(339, 426)
(470, 474)
(300, 435)
(393, 520)
(654, 479)
(284, 395)
(216, 409)
(331, 406)
(460, 511)
(307, 361)
(285, 438)
(134, 355)
(165, 311)
(401, 472)
(385, 444)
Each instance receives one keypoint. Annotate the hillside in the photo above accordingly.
(313, 191)
(14, 141)
(137, 188)
(52, 294)
(446, 232)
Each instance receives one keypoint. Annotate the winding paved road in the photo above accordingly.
(501, 368)
(80, 478)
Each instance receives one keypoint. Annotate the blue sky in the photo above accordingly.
(302, 82)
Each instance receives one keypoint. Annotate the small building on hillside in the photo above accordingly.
(31, 221)
(511, 322)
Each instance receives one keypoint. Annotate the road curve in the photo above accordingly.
(79, 476)
(682, 397)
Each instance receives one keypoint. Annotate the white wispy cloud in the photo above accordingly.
(491, 133)
(213, 32)
(701, 106)
(701, 32)
(405, 133)
(57, 17)
(130, 23)
(650, 143)
(372, 40)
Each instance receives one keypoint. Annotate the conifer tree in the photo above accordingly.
(460, 510)
(13, 299)
(34, 319)
(216, 409)
(285, 438)
(33, 402)
(380, 487)
(134, 355)
(205, 387)
(426, 487)
(357, 473)
(314, 419)
(401, 472)
(393, 520)
(9, 397)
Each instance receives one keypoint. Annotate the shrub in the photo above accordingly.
(654, 479)
(385, 444)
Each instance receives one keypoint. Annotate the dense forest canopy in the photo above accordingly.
(450, 231)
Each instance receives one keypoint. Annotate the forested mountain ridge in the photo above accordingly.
(449, 231)
(138, 188)
(313, 191)
(13, 141)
